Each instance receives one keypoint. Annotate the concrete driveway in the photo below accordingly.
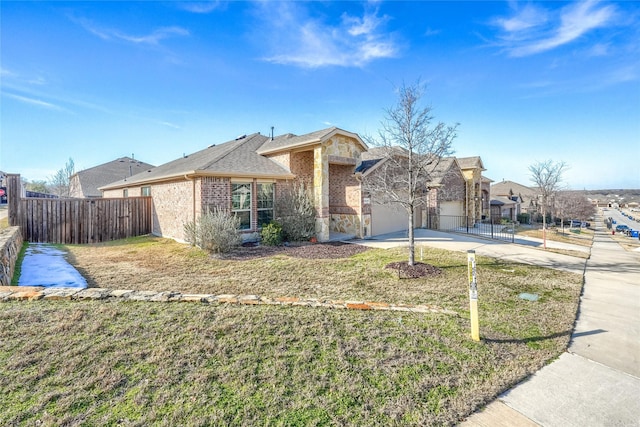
(597, 381)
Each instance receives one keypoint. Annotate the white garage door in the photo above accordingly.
(385, 219)
(450, 215)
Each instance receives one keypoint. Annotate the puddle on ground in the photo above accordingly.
(45, 265)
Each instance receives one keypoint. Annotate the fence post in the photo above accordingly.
(14, 193)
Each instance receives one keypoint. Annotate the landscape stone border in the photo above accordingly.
(33, 293)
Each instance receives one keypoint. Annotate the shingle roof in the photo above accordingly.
(232, 158)
(89, 180)
(470, 162)
(289, 141)
(502, 189)
(442, 168)
(365, 165)
(501, 201)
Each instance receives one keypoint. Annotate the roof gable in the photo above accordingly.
(290, 141)
(474, 162)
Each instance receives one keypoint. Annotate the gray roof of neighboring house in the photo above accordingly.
(89, 180)
(501, 201)
(441, 169)
(502, 189)
(233, 158)
(289, 141)
(377, 155)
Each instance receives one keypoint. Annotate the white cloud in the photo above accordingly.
(533, 30)
(200, 6)
(307, 42)
(154, 38)
(35, 102)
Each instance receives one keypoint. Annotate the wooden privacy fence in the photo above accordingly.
(78, 221)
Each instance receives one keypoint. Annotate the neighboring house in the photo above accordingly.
(505, 207)
(527, 196)
(85, 184)
(443, 201)
(478, 192)
(245, 176)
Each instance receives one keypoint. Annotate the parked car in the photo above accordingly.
(621, 228)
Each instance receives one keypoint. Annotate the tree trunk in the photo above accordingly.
(412, 249)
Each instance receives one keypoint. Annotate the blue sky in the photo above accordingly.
(526, 81)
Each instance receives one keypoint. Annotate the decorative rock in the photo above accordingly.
(140, 295)
(26, 295)
(249, 299)
(120, 293)
(60, 293)
(356, 306)
(227, 298)
(287, 300)
(8, 293)
(378, 305)
(195, 298)
(163, 297)
(92, 293)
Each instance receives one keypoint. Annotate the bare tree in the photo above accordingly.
(574, 205)
(547, 177)
(60, 181)
(413, 146)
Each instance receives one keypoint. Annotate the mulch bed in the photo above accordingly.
(332, 250)
(418, 269)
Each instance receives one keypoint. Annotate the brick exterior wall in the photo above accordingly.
(344, 190)
(172, 205)
(301, 164)
(214, 193)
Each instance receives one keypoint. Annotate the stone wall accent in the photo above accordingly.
(34, 293)
(345, 223)
(10, 245)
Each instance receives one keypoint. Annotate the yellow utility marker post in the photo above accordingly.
(473, 295)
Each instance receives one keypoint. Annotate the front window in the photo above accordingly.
(241, 204)
(265, 203)
(145, 191)
(125, 193)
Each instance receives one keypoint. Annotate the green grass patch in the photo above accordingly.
(190, 364)
(18, 268)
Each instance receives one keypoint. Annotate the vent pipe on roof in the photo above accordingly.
(272, 133)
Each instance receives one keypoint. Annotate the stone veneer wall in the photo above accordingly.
(10, 245)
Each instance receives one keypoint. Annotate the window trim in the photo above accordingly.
(273, 201)
(249, 209)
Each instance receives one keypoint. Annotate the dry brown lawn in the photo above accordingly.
(134, 363)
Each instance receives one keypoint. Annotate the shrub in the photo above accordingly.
(297, 214)
(215, 231)
(271, 234)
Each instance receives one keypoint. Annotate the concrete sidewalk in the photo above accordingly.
(595, 383)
